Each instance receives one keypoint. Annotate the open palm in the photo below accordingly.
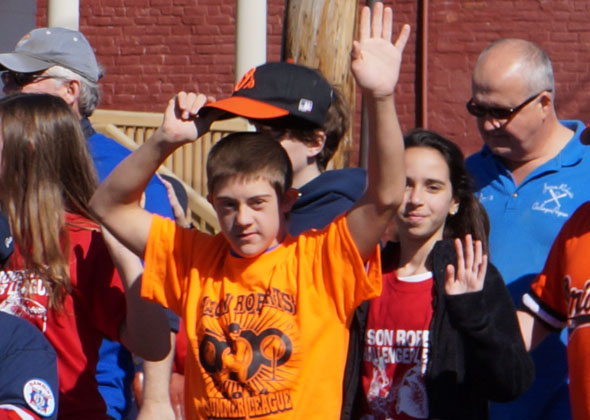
(376, 60)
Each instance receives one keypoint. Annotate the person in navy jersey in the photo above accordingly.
(61, 62)
(530, 175)
(28, 363)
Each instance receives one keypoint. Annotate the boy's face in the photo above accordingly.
(301, 153)
(250, 214)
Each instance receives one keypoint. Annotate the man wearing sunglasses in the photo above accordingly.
(530, 175)
(61, 62)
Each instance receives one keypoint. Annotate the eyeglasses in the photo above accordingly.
(498, 113)
(23, 79)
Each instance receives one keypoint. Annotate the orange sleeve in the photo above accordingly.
(566, 264)
(548, 286)
(172, 260)
(346, 278)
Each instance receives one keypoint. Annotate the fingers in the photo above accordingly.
(387, 30)
(471, 263)
(364, 24)
(450, 279)
(188, 104)
(468, 252)
(460, 259)
(377, 23)
(483, 269)
(377, 20)
(402, 38)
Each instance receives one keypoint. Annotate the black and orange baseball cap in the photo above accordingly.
(279, 91)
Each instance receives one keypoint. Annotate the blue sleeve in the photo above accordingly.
(107, 154)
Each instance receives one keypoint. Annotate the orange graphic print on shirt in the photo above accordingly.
(247, 348)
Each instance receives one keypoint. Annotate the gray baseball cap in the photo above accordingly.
(47, 47)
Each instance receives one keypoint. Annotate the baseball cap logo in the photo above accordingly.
(23, 39)
(247, 81)
(305, 105)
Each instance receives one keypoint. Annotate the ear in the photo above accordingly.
(454, 209)
(72, 93)
(289, 198)
(315, 146)
(546, 102)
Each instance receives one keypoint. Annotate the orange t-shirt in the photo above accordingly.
(268, 336)
(561, 297)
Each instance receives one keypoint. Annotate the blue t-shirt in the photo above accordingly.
(115, 369)
(524, 221)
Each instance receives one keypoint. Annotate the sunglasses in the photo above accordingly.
(498, 113)
(23, 79)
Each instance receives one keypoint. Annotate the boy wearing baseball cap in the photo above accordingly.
(299, 108)
(266, 313)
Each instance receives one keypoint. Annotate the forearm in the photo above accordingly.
(156, 385)
(386, 173)
(146, 329)
(533, 331)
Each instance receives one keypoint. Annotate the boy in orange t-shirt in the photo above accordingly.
(560, 298)
(266, 314)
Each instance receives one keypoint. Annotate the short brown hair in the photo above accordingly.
(249, 155)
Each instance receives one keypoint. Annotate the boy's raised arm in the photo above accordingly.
(116, 203)
(376, 65)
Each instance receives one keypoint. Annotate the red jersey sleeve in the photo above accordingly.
(97, 282)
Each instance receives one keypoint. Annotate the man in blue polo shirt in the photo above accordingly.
(530, 175)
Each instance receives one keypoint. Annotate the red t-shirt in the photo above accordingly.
(396, 348)
(95, 308)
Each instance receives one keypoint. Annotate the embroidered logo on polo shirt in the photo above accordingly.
(552, 205)
(39, 397)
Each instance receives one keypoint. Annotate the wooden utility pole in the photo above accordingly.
(319, 34)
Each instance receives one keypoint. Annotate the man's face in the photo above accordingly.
(33, 83)
(497, 84)
(250, 215)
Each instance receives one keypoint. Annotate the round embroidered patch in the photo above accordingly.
(39, 396)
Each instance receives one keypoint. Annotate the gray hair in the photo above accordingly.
(89, 90)
(535, 64)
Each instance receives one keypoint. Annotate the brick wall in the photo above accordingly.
(152, 48)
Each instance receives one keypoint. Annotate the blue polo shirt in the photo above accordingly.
(525, 219)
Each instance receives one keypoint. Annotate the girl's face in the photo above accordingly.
(428, 198)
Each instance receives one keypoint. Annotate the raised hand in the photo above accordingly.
(375, 60)
(181, 123)
(472, 264)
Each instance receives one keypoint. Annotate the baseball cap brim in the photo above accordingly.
(23, 63)
(247, 108)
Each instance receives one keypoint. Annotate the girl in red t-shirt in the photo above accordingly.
(442, 339)
(61, 277)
